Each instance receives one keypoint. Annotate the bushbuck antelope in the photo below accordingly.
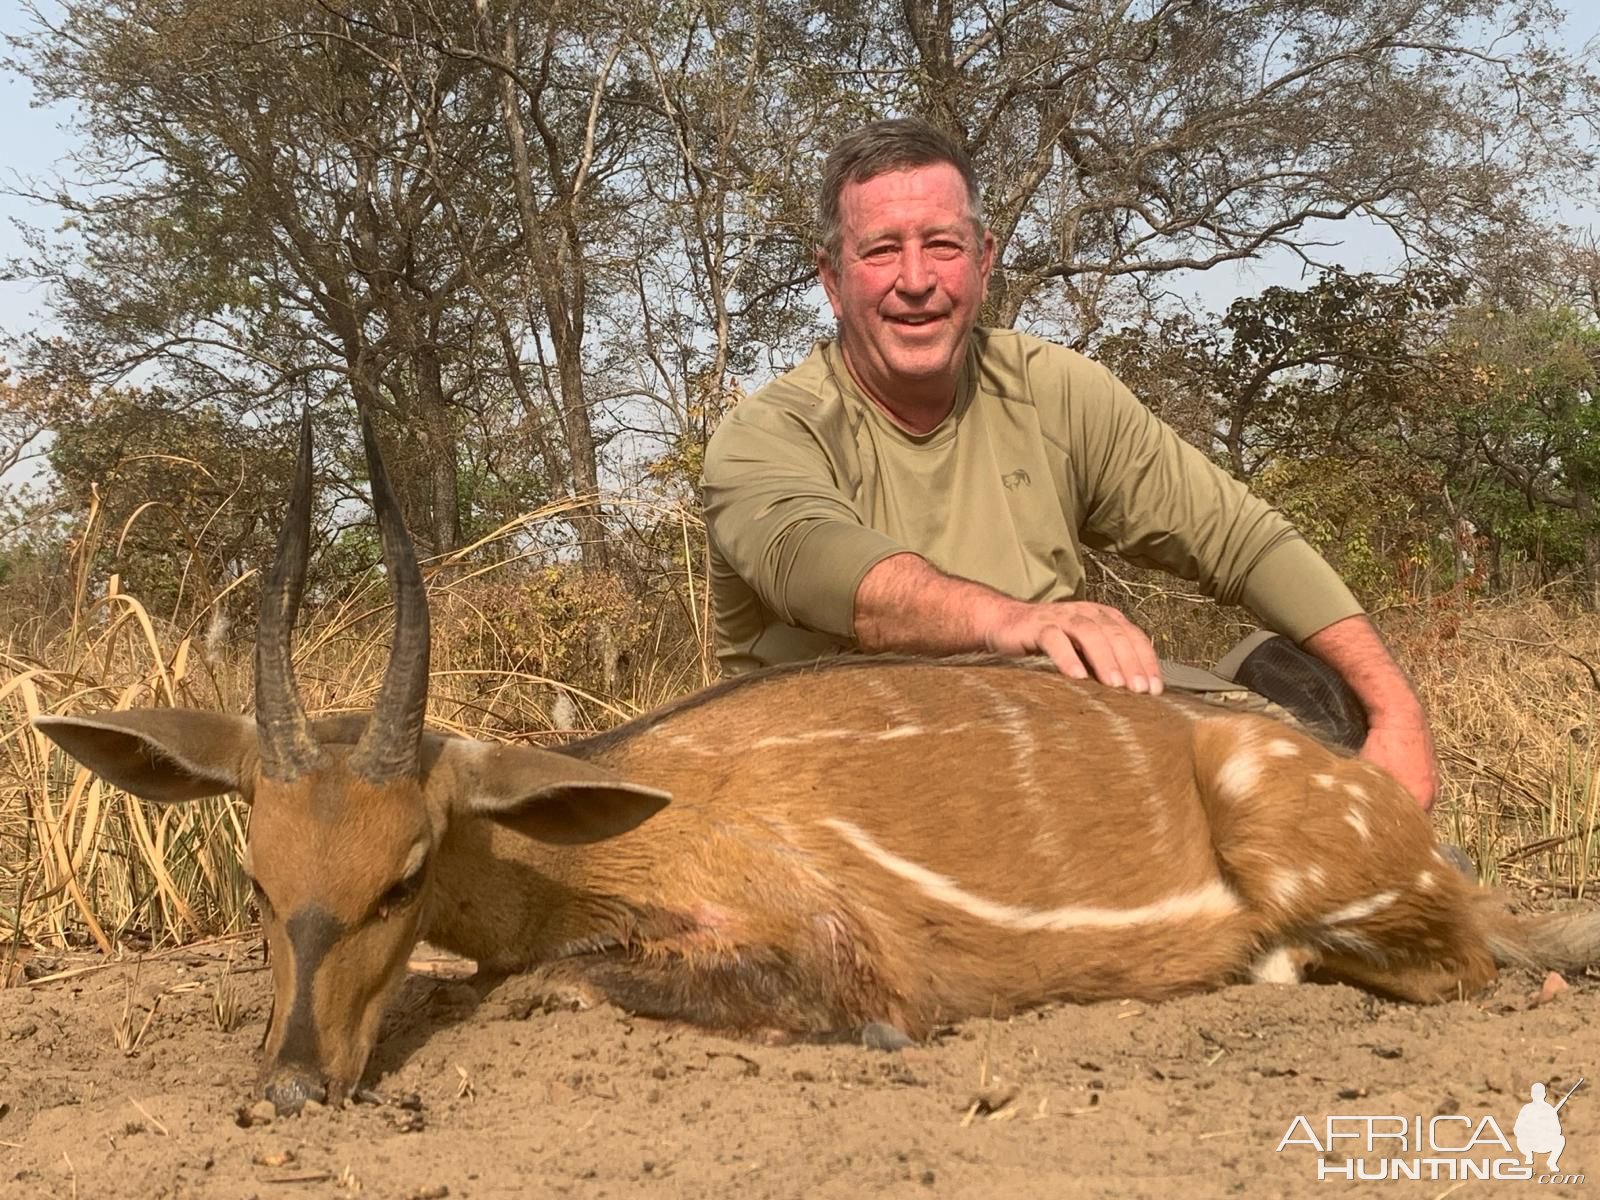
(865, 849)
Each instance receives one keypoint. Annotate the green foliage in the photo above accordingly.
(1530, 409)
(1366, 517)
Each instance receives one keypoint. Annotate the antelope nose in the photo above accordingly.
(289, 1091)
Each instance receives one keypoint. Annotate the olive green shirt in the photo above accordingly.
(808, 485)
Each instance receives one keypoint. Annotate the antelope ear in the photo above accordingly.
(548, 796)
(160, 754)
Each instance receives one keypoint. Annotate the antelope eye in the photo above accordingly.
(400, 895)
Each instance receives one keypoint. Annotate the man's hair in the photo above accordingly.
(881, 147)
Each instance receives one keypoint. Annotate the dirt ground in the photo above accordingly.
(492, 1097)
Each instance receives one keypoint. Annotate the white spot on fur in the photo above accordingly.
(1316, 876)
(848, 735)
(1088, 699)
(801, 739)
(888, 695)
(1019, 732)
(1360, 910)
(1239, 775)
(1280, 748)
(1286, 886)
(1211, 901)
(1276, 966)
(1135, 757)
(1356, 790)
(1359, 824)
(833, 929)
(1425, 881)
(1323, 780)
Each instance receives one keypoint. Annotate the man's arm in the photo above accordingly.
(1398, 738)
(905, 603)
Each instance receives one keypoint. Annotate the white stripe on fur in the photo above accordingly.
(1211, 901)
(1360, 910)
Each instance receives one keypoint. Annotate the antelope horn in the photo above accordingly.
(286, 747)
(389, 746)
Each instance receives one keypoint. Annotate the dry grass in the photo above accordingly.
(1514, 690)
(522, 637)
(227, 1004)
(133, 1021)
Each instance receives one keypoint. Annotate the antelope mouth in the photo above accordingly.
(289, 1092)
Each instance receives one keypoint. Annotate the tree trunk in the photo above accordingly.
(1590, 520)
(560, 279)
(439, 446)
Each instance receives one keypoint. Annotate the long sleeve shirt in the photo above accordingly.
(808, 485)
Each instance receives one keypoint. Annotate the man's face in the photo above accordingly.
(911, 275)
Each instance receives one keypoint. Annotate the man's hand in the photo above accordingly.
(1082, 639)
(1398, 739)
(1406, 752)
(905, 603)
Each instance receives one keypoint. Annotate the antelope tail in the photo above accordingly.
(1553, 942)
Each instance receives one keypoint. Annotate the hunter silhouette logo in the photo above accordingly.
(1012, 480)
(1538, 1127)
(1447, 1146)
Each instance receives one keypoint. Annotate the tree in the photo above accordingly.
(515, 231)
(720, 249)
(267, 224)
(30, 406)
(184, 504)
(1312, 395)
(1532, 417)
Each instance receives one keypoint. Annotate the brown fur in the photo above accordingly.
(742, 835)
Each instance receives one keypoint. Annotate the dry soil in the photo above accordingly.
(118, 1079)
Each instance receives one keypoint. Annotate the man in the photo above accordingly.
(924, 485)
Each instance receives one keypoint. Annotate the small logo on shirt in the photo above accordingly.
(1015, 479)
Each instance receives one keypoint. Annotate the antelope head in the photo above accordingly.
(348, 815)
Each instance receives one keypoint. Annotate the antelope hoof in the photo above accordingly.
(530, 996)
(880, 1035)
(289, 1093)
(569, 998)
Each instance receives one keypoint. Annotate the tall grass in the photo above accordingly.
(1511, 685)
(1514, 689)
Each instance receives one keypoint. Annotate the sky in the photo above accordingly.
(36, 145)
